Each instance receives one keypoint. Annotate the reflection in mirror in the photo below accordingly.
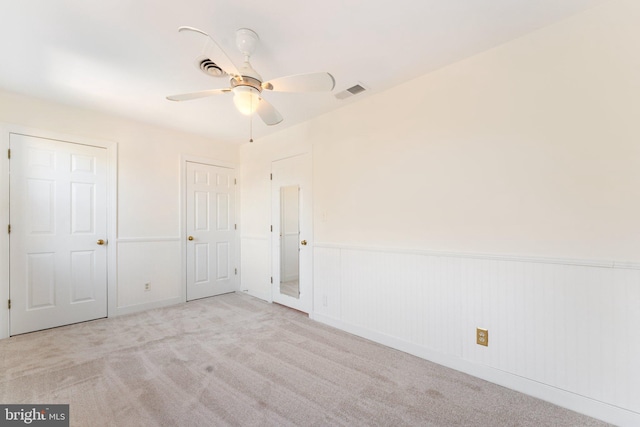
(289, 238)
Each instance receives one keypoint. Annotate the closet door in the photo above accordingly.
(210, 230)
(58, 215)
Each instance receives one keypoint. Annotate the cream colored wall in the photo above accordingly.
(528, 149)
(148, 236)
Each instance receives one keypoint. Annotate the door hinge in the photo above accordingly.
(235, 226)
(235, 270)
(271, 228)
(9, 304)
(271, 279)
(9, 228)
(235, 181)
(9, 153)
(271, 176)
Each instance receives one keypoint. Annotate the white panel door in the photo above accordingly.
(287, 174)
(210, 230)
(58, 215)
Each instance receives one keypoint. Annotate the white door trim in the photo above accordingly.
(6, 130)
(183, 216)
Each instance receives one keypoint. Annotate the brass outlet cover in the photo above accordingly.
(482, 337)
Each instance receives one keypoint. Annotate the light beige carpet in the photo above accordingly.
(235, 360)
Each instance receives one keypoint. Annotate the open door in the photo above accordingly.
(210, 203)
(292, 238)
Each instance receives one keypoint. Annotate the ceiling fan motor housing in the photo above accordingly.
(246, 81)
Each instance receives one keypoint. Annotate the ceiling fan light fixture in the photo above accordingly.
(246, 99)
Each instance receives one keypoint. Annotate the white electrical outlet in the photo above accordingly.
(147, 286)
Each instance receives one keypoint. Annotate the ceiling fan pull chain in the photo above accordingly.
(251, 128)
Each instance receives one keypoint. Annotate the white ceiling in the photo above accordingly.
(124, 56)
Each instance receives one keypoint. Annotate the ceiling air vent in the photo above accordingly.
(211, 68)
(353, 90)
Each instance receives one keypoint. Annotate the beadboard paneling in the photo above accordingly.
(567, 325)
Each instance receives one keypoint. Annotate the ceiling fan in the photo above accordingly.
(246, 84)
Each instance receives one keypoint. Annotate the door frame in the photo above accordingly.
(183, 216)
(6, 130)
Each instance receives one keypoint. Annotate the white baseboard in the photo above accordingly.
(590, 407)
(265, 296)
(136, 308)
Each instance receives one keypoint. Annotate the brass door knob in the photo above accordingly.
(190, 238)
(303, 243)
(100, 242)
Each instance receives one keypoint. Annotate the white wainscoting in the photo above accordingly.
(566, 331)
(157, 261)
(255, 257)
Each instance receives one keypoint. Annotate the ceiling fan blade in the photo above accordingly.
(268, 113)
(214, 52)
(311, 82)
(196, 95)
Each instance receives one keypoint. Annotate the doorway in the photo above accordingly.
(210, 230)
(292, 240)
(58, 236)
